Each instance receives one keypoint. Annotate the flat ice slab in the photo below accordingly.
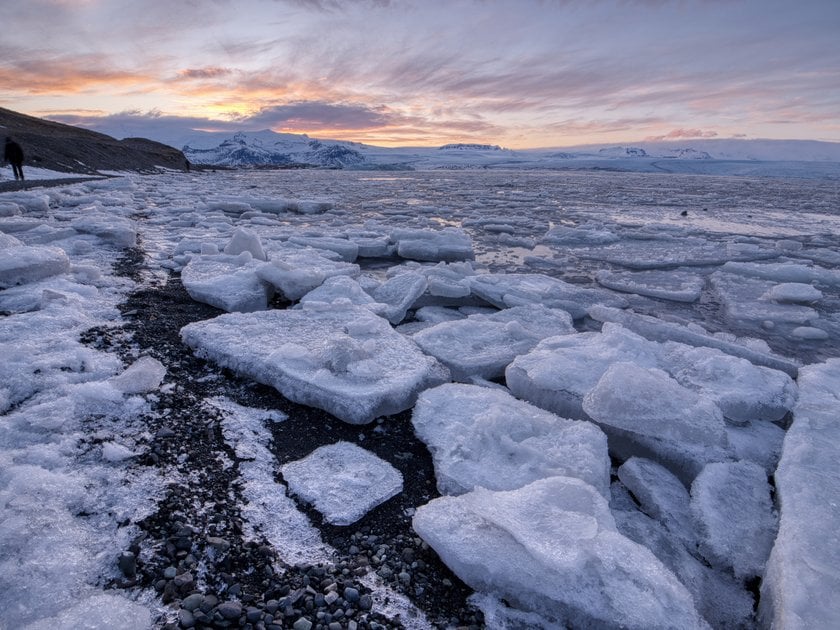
(678, 286)
(484, 345)
(552, 548)
(486, 437)
(734, 512)
(515, 289)
(344, 360)
(23, 264)
(342, 481)
(802, 577)
(227, 282)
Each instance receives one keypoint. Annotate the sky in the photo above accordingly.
(518, 73)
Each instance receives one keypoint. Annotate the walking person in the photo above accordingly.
(14, 155)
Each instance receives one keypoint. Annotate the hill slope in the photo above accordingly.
(64, 148)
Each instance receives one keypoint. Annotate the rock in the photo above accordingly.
(365, 602)
(351, 594)
(127, 563)
(186, 618)
(230, 609)
(302, 624)
(191, 602)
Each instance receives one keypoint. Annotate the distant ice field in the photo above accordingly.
(569, 225)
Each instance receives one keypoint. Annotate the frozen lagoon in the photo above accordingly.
(742, 241)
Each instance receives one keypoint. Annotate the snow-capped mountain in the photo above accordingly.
(259, 149)
(465, 146)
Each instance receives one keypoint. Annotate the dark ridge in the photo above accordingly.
(67, 149)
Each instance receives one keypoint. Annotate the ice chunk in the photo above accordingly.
(114, 452)
(399, 293)
(734, 512)
(447, 244)
(669, 252)
(484, 345)
(245, 241)
(344, 360)
(343, 289)
(9, 209)
(342, 481)
(785, 272)
(722, 600)
(559, 371)
(347, 250)
(742, 390)
(486, 437)
(551, 548)
(514, 289)
(809, 333)
(650, 403)
(7, 240)
(226, 282)
(758, 442)
(144, 375)
(661, 496)
(113, 229)
(794, 292)
(296, 272)
(743, 303)
(802, 577)
(25, 264)
(679, 286)
(659, 330)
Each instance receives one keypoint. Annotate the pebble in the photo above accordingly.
(191, 602)
(302, 624)
(330, 598)
(186, 618)
(230, 609)
(351, 594)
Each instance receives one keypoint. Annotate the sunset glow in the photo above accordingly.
(519, 73)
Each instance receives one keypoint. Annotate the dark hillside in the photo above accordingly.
(69, 149)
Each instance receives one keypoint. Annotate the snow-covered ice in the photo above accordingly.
(802, 577)
(482, 437)
(552, 548)
(484, 345)
(346, 361)
(342, 481)
(733, 507)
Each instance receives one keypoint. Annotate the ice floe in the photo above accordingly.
(342, 481)
(482, 437)
(552, 548)
(346, 361)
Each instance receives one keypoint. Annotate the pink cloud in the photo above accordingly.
(678, 134)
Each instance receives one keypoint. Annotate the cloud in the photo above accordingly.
(315, 115)
(678, 134)
(204, 73)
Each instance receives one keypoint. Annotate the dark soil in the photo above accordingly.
(198, 525)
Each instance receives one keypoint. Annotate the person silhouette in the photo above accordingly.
(14, 155)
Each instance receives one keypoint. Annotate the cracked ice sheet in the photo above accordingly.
(346, 361)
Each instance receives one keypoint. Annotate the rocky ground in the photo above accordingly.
(192, 551)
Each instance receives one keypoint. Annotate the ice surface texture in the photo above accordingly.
(484, 345)
(552, 548)
(802, 577)
(346, 361)
(482, 437)
(342, 481)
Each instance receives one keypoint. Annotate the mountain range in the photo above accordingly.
(59, 147)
